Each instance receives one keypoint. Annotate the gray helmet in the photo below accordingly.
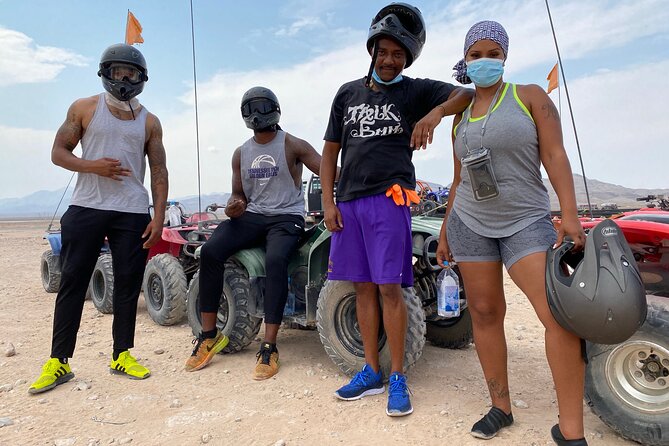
(603, 300)
(403, 23)
(260, 108)
(122, 54)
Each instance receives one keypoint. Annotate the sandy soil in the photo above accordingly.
(222, 404)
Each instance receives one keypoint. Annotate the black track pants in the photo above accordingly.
(83, 231)
(279, 234)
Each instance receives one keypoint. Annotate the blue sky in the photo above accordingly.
(614, 53)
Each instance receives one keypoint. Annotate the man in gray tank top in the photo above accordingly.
(116, 134)
(266, 208)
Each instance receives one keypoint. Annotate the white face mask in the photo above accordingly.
(122, 105)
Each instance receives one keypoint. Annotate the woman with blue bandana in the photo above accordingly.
(499, 214)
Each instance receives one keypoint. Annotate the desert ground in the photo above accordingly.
(222, 405)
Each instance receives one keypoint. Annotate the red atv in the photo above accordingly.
(627, 385)
(171, 264)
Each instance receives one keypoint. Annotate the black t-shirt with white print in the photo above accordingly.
(374, 130)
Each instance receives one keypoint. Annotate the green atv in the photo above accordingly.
(329, 306)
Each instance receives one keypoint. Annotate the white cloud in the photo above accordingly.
(27, 165)
(299, 25)
(22, 61)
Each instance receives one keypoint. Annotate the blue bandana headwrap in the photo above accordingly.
(485, 30)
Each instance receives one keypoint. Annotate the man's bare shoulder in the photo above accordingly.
(293, 141)
(84, 106)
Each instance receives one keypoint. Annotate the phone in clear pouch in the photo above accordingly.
(481, 174)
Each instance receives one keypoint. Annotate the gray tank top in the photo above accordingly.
(268, 185)
(108, 136)
(511, 136)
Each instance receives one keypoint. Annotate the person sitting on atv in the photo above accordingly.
(266, 208)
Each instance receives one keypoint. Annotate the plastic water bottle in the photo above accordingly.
(448, 293)
(174, 214)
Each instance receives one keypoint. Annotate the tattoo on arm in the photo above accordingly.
(156, 154)
(497, 389)
(550, 111)
(70, 133)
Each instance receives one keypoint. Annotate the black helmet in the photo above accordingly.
(603, 300)
(121, 55)
(403, 23)
(260, 108)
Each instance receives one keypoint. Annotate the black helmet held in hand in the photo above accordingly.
(603, 300)
(403, 23)
(260, 108)
(123, 71)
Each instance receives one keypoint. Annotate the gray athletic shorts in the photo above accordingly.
(468, 246)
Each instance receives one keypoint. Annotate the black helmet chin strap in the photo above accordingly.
(131, 110)
(375, 52)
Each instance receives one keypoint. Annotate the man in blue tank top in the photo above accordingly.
(376, 122)
(117, 134)
(266, 208)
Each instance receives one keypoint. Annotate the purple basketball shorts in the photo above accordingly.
(375, 244)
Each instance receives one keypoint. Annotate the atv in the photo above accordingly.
(329, 306)
(627, 385)
(171, 264)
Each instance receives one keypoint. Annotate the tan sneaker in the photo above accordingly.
(205, 350)
(267, 364)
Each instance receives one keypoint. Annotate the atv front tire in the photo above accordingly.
(454, 333)
(102, 284)
(233, 318)
(165, 287)
(340, 335)
(627, 385)
(50, 269)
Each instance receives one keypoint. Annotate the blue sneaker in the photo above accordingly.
(399, 403)
(365, 382)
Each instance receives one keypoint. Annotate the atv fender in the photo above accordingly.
(253, 260)
(55, 242)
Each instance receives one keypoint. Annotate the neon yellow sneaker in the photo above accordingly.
(53, 373)
(205, 350)
(127, 365)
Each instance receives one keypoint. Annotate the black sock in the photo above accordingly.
(210, 334)
(272, 347)
(62, 360)
(117, 352)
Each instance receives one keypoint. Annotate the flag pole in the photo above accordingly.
(127, 22)
(566, 90)
(197, 126)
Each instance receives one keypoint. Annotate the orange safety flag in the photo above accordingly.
(133, 30)
(552, 79)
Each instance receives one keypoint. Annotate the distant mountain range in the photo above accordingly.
(43, 204)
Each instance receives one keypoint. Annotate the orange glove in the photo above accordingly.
(398, 197)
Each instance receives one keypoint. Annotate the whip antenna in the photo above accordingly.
(197, 126)
(566, 90)
(61, 200)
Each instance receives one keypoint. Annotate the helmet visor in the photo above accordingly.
(123, 72)
(261, 106)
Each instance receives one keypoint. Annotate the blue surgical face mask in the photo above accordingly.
(485, 72)
(378, 80)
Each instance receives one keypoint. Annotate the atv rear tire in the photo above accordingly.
(454, 333)
(50, 269)
(165, 287)
(627, 385)
(233, 318)
(338, 329)
(102, 284)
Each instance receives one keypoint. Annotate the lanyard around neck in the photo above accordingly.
(485, 120)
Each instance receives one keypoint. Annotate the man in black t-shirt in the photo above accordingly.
(377, 122)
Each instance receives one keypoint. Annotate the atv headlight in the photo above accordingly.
(193, 237)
